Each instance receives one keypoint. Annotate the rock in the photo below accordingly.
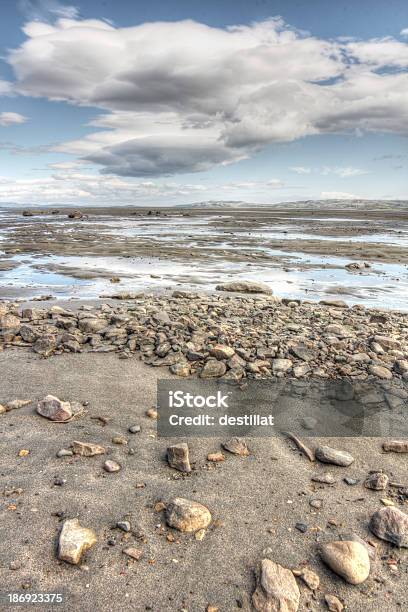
(134, 553)
(316, 503)
(120, 440)
(396, 446)
(45, 345)
(9, 327)
(213, 369)
(244, 287)
(2, 409)
(186, 515)
(152, 414)
(387, 342)
(133, 429)
(87, 449)
(302, 527)
(74, 540)
(180, 369)
(401, 366)
(111, 466)
(377, 481)
(276, 589)
(236, 446)
(65, 452)
(351, 481)
(177, 456)
(380, 372)
(124, 526)
(54, 409)
(311, 579)
(215, 457)
(301, 370)
(16, 404)
(303, 352)
(325, 478)
(326, 454)
(390, 524)
(333, 603)
(334, 303)
(92, 325)
(221, 351)
(349, 560)
(281, 366)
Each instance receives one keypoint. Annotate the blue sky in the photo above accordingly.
(313, 105)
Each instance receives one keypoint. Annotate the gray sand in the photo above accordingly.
(270, 489)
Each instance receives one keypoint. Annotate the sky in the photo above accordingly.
(178, 101)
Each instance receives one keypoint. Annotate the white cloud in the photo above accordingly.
(7, 119)
(301, 170)
(404, 32)
(182, 97)
(343, 172)
(46, 9)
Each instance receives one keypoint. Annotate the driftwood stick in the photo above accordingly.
(301, 445)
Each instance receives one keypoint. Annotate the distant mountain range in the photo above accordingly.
(309, 204)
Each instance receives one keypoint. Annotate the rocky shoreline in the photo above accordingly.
(323, 553)
(222, 335)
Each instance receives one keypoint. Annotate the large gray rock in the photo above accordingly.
(390, 524)
(276, 589)
(348, 559)
(186, 515)
(244, 287)
(213, 369)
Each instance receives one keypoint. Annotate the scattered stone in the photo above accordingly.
(17, 404)
(377, 481)
(120, 440)
(311, 579)
(2, 409)
(135, 429)
(178, 457)
(221, 351)
(333, 603)
(348, 559)
(87, 449)
(54, 409)
(396, 446)
(244, 287)
(326, 478)
(326, 454)
(316, 503)
(216, 457)
(200, 535)
(276, 589)
(390, 524)
(351, 481)
(111, 466)
(380, 372)
(152, 414)
(180, 369)
(302, 527)
(133, 553)
(213, 369)
(65, 452)
(74, 540)
(124, 526)
(186, 515)
(236, 446)
(281, 366)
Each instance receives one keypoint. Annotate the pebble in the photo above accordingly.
(348, 559)
(65, 452)
(326, 454)
(396, 446)
(124, 526)
(351, 481)
(380, 372)
(178, 457)
(216, 457)
(134, 553)
(326, 478)
(377, 481)
(390, 524)
(333, 603)
(236, 446)
(276, 589)
(187, 516)
(213, 369)
(74, 540)
(119, 440)
(310, 578)
(87, 449)
(111, 466)
(302, 527)
(54, 409)
(135, 429)
(152, 414)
